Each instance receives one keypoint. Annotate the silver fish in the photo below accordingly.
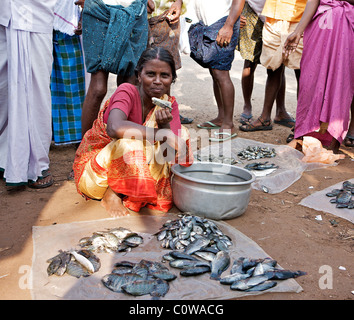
(182, 264)
(181, 255)
(157, 287)
(263, 286)
(248, 283)
(281, 274)
(230, 279)
(115, 281)
(76, 269)
(194, 271)
(196, 245)
(219, 264)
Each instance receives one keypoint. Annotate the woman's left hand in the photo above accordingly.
(224, 36)
(163, 118)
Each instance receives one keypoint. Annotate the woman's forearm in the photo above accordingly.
(306, 18)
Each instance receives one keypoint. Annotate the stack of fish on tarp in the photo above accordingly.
(202, 238)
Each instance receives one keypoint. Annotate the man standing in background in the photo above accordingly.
(26, 29)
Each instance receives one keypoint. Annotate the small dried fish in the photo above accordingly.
(256, 152)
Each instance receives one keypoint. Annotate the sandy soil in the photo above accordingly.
(287, 231)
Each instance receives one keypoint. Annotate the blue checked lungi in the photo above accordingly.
(67, 88)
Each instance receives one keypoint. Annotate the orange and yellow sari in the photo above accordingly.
(127, 166)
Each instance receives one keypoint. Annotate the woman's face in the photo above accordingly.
(155, 78)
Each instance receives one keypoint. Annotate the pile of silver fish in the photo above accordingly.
(343, 197)
(192, 233)
(256, 274)
(261, 166)
(78, 264)
(137, 279)
(112, 240)
(256, 152)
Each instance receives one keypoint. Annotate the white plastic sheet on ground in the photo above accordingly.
(287, 159)
(320, 202)
(49, 239)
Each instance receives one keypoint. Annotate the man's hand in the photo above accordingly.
(174, 12)
(242, 21)
(224, 36)
(150, 6)
(80, 3)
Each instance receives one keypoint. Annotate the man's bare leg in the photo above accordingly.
(114, 204)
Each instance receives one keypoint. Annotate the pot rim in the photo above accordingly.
(181, 175)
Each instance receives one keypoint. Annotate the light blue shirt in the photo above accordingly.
(28, 15)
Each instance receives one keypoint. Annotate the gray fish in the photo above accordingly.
(133, 240)
(281, 274)
(230, 279)
(209, 256)
(196, 245)
(92, 258)
(219, 264)
(182, 263)
(142, 287)
(164, 275)
(76, 269)
(58, 264)
(181, 255)
(248, 283)
(263, 286)
(194, 271)
(237, 266)
(115, 282)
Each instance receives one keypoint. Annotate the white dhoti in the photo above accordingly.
(25, 103)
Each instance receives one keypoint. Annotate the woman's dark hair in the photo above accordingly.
(158, 53)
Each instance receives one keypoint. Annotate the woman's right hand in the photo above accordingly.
(163, 118)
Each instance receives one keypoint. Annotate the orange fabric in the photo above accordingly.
(126, 166)
(289, 10)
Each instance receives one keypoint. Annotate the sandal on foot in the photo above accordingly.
(38, 185)
(265, 125)
(208, 125)
(349, 141)
(245, 119)
(289, 122)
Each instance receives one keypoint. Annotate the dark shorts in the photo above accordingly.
(204, 49)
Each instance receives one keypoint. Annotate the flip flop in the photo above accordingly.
(227, 134)
(249, 127)
(286, 122)
(210, 127)
(244, 118)
(349, 141)
(37, 185)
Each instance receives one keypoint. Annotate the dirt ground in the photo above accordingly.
(285, 230)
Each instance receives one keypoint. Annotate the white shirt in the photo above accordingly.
(28, 15)
(256, 5)
(210, 11)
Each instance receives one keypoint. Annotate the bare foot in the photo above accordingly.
(114, 204)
